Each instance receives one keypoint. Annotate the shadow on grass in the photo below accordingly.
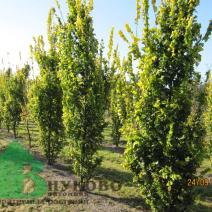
(201, 208)
(135, 203)
(114, 175)
(5, 134)
(204, 197)
(204, 192)
(62, 167)
(140, 204)
(113, 149)
(126, 180)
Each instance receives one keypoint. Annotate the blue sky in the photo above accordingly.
(21, 20)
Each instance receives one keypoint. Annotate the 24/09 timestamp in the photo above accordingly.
(200, 182)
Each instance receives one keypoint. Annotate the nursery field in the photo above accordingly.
(15, 156)
(118, 124)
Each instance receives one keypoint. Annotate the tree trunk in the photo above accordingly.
(49, 150)
(14, 130)
(8, 128)
(29, 135)
(82, 183)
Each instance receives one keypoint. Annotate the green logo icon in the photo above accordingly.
(19, 174)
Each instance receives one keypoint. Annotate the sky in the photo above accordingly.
(21, 20)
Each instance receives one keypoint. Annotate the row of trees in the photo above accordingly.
(69, 97)
(13, 102)
(162, 108)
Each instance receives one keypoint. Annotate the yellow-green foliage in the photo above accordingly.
(165, 139)
(82, 81)
(46, 94)
(208, 115)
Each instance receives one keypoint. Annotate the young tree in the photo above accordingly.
(25, 116)
(5, 96)
(116, 84)
(208, 115)
(82, 81)
(117, 97)
(46, 100)
(14, 97)
(2, 97)
(166, 137)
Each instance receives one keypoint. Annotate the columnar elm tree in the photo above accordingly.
(82, 80)
(166, 138)
(46, 98)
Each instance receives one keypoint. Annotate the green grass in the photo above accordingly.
(112, 170)
(12, 162)
(107, 134)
